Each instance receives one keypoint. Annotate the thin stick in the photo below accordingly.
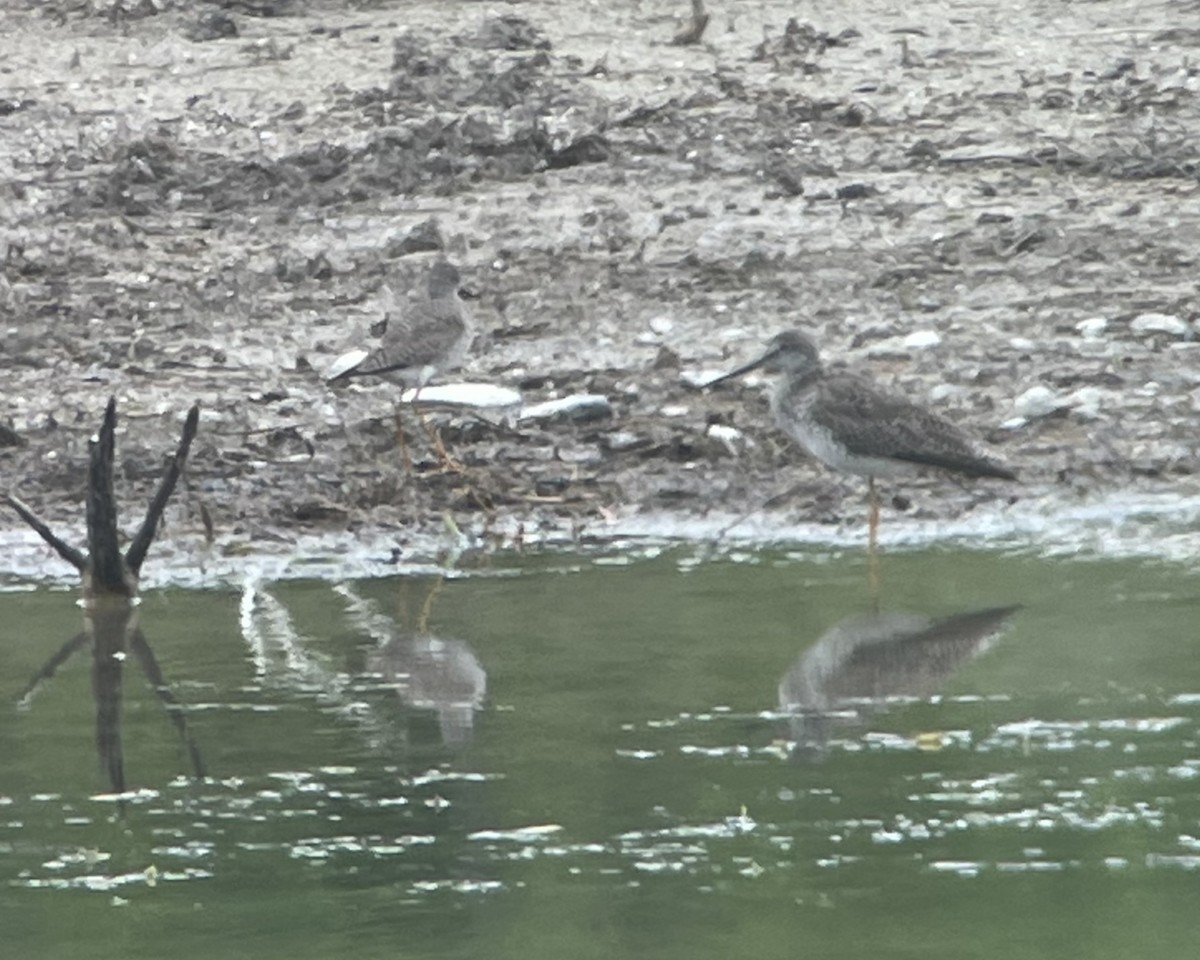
(69, 553)
(138, 548)
(767, 504)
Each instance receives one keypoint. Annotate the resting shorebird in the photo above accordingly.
(853, 426)
(423, 336)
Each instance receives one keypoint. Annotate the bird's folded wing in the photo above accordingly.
(873, 423)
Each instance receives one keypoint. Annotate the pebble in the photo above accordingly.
(1087, 401)
(922, 339)
(946, 391)
(730, 437)
(1037, 401)
(620, 440)
(1160, 323)
(347, 361)
(579, 406)
(1092, 328)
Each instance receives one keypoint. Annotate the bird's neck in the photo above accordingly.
(794, 385)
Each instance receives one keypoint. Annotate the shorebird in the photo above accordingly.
(423, 336)
(852, 425)
(860, 664)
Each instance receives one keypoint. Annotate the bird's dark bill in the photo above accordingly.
(744, 368)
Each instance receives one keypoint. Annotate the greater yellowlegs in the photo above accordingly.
(853, 426)
(424, 335)
(860, 664)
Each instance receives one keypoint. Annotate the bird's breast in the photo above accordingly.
(794, 415)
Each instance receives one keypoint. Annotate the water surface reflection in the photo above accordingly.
(612, 782)
(112, 631)
(865, 662)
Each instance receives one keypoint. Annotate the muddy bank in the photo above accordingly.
(996, 213)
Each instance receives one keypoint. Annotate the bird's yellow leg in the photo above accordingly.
(873, 541)
(427, 606)
(448, 463)
(402, 443)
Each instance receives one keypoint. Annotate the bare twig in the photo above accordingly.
(136, 554)
(73, 556)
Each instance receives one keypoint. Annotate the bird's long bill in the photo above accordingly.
(744, 368)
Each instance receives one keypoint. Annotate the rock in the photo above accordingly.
(731, 438)
(621, 440)
(921, 339)
(1087, 401)
(579, 406)
(1092, 328)
(347, 361)
(1160, 323)
(425, 237)
(940, 392)
(699, 379)
(1039, 401)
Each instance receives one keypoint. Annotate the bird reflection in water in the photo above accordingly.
(428, 672)
(864, 661)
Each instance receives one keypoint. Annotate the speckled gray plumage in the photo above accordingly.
(425, 335)
(852, 425)
(873, 425)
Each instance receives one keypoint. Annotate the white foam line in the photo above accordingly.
(1126, 524)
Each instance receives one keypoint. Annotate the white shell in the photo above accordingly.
(576, 405)
(347, 361)
(1160, 323)
(1038, 401)
(477, 396)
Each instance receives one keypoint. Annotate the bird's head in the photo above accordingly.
(444, 279)
(790, 352)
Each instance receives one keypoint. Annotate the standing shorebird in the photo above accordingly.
(851, 425)
(423, 336)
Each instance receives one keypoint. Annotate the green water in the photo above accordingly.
(627, 786)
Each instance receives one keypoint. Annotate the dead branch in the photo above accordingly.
(136, 554)
(74, 557)
(104, 548)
